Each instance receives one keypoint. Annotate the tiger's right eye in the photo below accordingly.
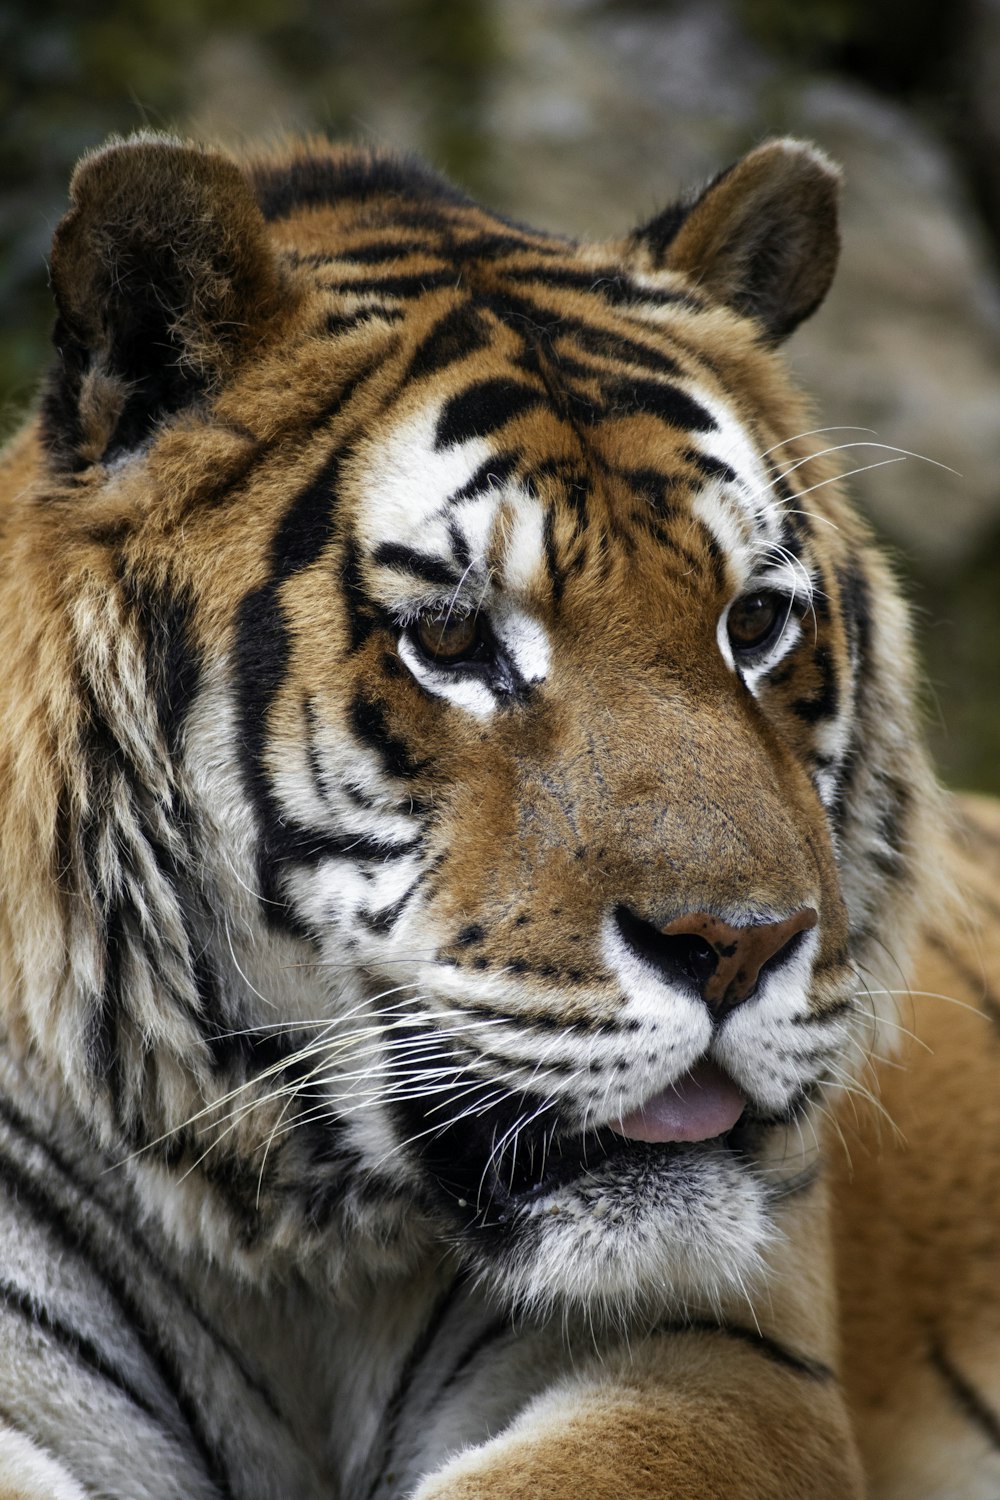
(450, 638)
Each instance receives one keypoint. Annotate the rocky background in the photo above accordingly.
(585, 116)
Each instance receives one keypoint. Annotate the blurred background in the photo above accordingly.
(586, 116)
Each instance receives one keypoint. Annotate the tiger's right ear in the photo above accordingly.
(163, 278)
(761, 239)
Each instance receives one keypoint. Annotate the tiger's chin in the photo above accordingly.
(646, 1231)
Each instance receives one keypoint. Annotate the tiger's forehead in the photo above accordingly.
(444, 510)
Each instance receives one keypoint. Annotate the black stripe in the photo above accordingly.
(492, 473)
(712, 468)
(261, 649)
(292, 843)
(823, 704)
(376, 251)
(338, 323)
(557, 581)
(429, 569)
(490, 246)
(610, 282)
(769, 1348)
(103, 1023)
(385, 920)
(498, 1329)
(458, 334)
(614, 346)
(363, 615)
(78, 1345)
(418, 1353)
(966, 1397)
(78, 1239)
(316, 181)
(545, 1021)
(316, 770)
(306, 527)
(371, 725)
(655, 486)
(656, 398)
(482, 408)
(415, 285)
(173, 663)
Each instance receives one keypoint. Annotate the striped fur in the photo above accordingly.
(322, 993)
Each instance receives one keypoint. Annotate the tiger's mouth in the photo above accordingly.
(579, 1159)
(494, 1165)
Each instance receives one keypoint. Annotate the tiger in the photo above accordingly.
(494, 1001)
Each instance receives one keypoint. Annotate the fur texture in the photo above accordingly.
(417, 629)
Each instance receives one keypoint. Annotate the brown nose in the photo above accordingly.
(722, 962)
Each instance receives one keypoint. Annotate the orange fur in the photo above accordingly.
(150, 565)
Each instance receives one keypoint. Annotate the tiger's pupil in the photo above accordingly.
(752, 619)
(447, 638)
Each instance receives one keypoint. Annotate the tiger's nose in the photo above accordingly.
(723, 963)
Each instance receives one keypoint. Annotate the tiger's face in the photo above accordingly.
(555, 747)
(511, 691)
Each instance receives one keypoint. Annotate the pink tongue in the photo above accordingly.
(698, 1107)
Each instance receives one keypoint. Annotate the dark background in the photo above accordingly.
(584, 116)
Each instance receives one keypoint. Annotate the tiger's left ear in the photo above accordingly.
(762, 238)
(164, 280)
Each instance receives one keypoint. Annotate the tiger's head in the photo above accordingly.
(463, 781)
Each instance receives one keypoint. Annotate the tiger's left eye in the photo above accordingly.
(755, 621)
(449, 638)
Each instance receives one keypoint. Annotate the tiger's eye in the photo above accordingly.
(447, 638)
(754, 619)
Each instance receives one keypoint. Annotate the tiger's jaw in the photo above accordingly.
(551, 1216)
(648, 1228)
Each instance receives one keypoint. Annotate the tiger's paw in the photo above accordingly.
(566, 1453)
(652, 1443)
(562, 1450)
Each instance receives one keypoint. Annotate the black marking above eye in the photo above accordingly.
(483, 408)
(755, 623)
(422, 565)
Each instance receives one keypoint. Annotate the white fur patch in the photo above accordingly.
(27, 1473)
(408, 482)
(493, 542)
(462, 689)
(683, 1021)
(524, 542)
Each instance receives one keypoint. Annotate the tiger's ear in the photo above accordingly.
(762, 238)
(163, 277)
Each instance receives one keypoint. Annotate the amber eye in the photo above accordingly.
(449, 637)
(756, 621)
